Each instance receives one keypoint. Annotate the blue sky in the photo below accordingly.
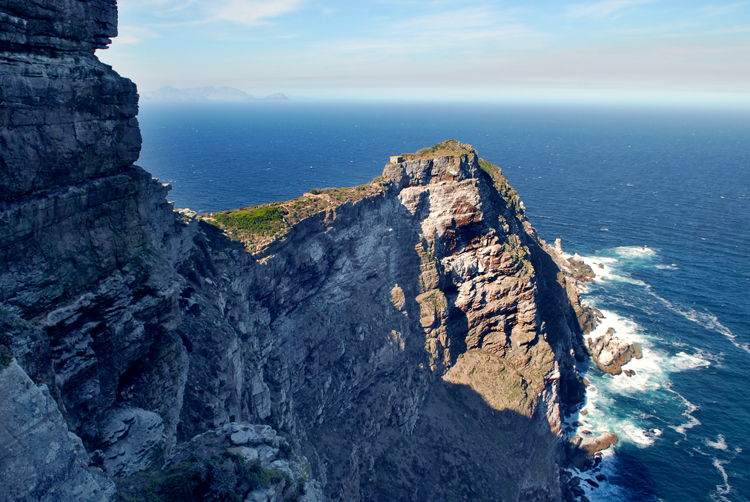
(459, 50)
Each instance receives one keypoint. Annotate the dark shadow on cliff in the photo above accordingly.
(462, 445)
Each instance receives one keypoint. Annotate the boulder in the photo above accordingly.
(597, 444)
(611, 353)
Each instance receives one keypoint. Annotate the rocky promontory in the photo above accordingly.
(409, 339)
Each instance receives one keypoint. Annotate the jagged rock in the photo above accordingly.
(251, 434)
(36, 27)
(133, 440)
(74, 117)
(581, 271)
(583, 452)
(610, 353)
(41, 459)
(256, 473)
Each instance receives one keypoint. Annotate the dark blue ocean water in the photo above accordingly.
(660, 198)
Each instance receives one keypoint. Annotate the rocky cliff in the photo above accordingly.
(410, 339)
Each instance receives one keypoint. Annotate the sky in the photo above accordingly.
(622, 50)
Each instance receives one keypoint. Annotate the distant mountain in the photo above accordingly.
(168, 93)
(279, 96)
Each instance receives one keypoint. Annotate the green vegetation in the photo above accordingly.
(222, 478)
(254, 220)
(444, 149)
(501, 184)
(258, 226)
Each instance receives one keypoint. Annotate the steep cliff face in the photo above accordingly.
(413, 337)
(399, 334)
(87, 240)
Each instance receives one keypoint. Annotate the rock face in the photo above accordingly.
(417, 341)
(41, 459)
(249, 461)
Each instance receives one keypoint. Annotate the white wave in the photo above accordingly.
(636, 435)
(682, 361)
(606, 269)
(708, 357)
(705, 319)
(635, 252)
(652, 370)
(726, 487)
(651, 381)
(606, 491)
(667, 267)
(602, 266)
(719, 444)
(688, 413)
(651, 377)
(624, 327)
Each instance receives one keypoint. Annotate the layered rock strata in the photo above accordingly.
(417, 341)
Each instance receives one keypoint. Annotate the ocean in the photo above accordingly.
(656, 200)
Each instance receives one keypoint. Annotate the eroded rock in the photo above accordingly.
(611, 353)
(210, 465)
(41, 459)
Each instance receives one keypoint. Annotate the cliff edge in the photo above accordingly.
(409, 339)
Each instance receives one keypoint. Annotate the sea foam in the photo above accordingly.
(704, 319)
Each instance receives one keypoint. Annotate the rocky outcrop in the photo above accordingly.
(611, 353)
(235, 462)
(593, 445)
(583, 452)
(42, 460)
(57, 26)
(401, 320)
(413, 340)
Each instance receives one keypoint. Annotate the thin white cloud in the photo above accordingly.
(252, 12)
(720, 10)
(187, 12)
(450, 20)
(158, 7)
(130, 35)
(602, 9)
(452, 30)
(729, 30)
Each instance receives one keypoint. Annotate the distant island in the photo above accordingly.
(224, 93)
(279, 96)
